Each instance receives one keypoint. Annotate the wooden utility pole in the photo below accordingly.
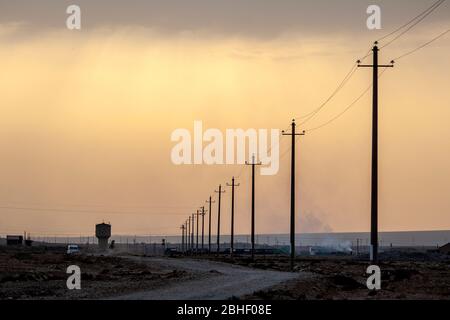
(253, 164)
(293, 134)
(232, 185)
(192, 231)
(182, 237)
(218, 216)
(203, 226)
(209, 222)
(185, 237)
(189, 235)
(374, 180)
(198, 221)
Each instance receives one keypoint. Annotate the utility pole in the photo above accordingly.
(189, 235)
(218, 216)
(374, 182)
(182, 237)
(293, 135)
(209, 221)
(185, 237)
(232, 185)
(198, 221)
(203, 226)
(253, 164)
(192, 231)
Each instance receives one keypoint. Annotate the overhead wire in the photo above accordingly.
(346, 109)
(419, 18)
(421, 46)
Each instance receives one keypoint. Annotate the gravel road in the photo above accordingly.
(223, 281)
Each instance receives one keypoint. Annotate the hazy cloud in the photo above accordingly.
(244, 18)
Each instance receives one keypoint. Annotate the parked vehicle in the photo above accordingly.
(73, 248)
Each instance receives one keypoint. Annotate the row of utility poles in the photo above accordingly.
(188, 226)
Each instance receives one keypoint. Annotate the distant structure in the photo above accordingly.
(12, 240)
(103, 233)
(445, 249)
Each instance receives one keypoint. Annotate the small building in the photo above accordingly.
(12, 240)
(445, 249)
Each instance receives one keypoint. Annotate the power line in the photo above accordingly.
(347, 77)
(339, 87)
(87, 211)
(368, 53)
(421, 46)
(346, 109)
(94, 205)
(409, 22)
(419, 18)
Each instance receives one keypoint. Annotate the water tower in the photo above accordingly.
(103, 233)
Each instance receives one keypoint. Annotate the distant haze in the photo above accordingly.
(86, 116)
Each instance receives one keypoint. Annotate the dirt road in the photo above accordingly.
(222, 282)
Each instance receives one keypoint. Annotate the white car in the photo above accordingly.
(73, 248)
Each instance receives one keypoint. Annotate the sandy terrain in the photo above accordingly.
(403, 276)
(228, 281)
(36, 273)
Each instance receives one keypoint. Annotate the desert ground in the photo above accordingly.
(39, 273)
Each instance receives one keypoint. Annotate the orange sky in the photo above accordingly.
(86, 118)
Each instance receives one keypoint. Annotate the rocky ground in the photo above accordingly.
(404, 275)
(27, 273)
(224, 280)
(35, 273)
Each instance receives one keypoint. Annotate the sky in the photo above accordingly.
(86, 115)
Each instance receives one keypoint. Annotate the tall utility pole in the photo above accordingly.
(209, 222)
(198, 221)
(189, 235)
(253, 164)
(374, 185)
(232, 185)
(192, 231)
(182, 237)
(293, 135)
(185, 236)
(218, 216)
(203, 226)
